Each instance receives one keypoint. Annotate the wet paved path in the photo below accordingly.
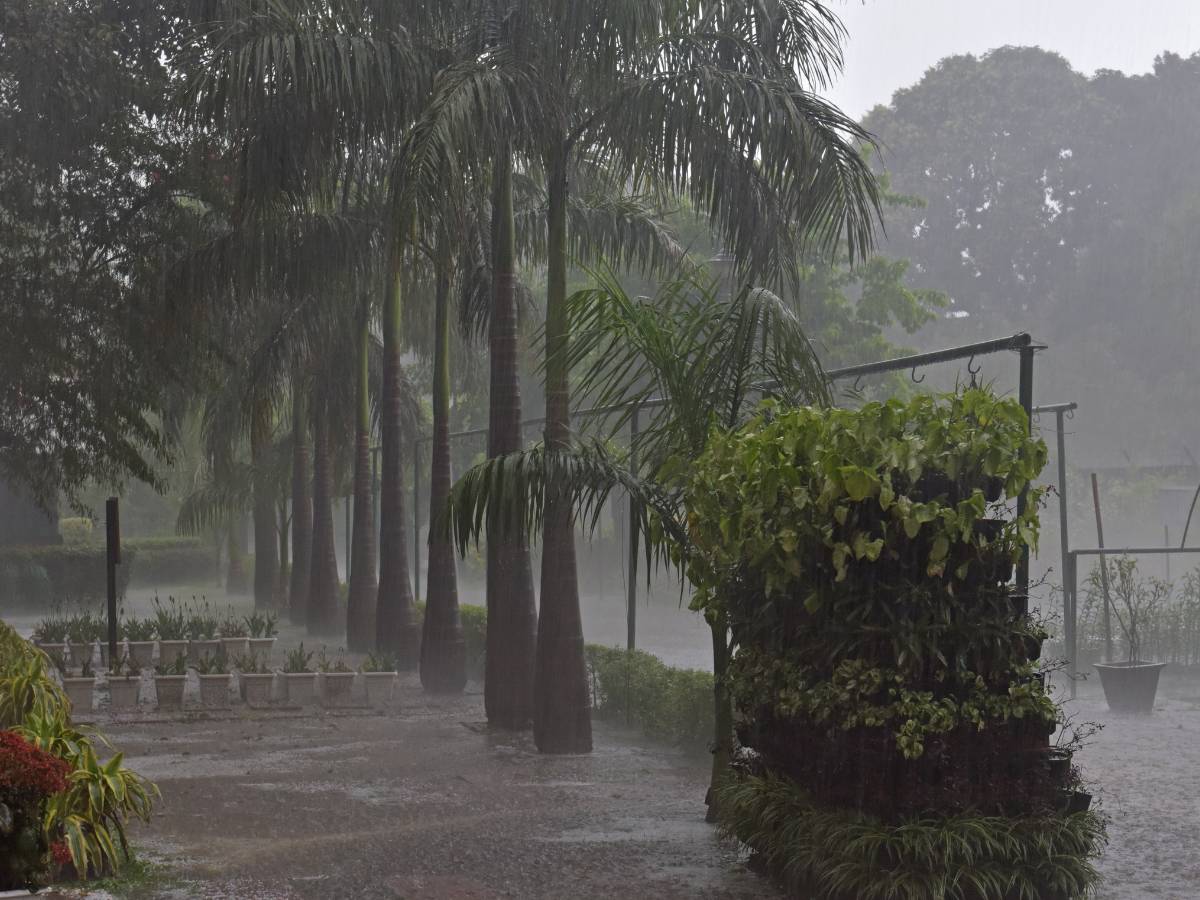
(424, 804)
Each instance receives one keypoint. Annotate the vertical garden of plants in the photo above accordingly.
(885, 669)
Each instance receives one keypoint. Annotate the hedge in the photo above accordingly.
(637, 688)
(171, 561)
(41, 576)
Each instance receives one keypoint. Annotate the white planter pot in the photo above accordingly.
(380, 687)
(198, 650)
(60, 652)
(80, 691)
(260, 648)
(81, 653)
(123, 691)
(301, 688)
(169, 651)
(256, 688)
(236, 646)
(169, 689)
(142, 653)
(214, 690)
(336, 688)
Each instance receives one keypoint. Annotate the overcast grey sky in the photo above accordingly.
(893, 42)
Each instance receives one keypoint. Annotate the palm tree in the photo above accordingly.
(302, 517)
(324, 615)
(266, 559)
(360, 613)
(712, 358)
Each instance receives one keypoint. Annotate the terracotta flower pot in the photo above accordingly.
(123, 691)
(336, 688)
(169, 689)
(301, 688)
(1129, 687)
(81, 693)
(380, 687)
(256, 688)
(214, 690)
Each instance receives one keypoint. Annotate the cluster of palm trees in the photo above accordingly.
(377, 158)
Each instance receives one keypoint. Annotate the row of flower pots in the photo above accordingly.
(257, 690)
(142, 653)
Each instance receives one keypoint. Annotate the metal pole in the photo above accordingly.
(1061, 441)
(631, 608)
(1025, 395)
(1072, 578)
(112, 529)
(417, 521)
(1167, 543)
(1103, 570)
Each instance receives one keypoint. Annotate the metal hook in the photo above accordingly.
(1070, 413)
(974, 370)
(914, 377)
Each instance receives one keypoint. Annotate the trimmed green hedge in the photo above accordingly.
(637, 688)
(41, 576)
(171, 561)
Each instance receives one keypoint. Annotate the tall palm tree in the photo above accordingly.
(360, 613)
(713, 357)
(302, 517)
(324, 615)
(266, 558)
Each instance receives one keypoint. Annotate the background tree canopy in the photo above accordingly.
(1069, 207)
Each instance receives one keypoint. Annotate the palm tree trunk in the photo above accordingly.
(235, 573)
(323, 615)
(360, 611)
(302, 515)
(512, 614)
(397, 630)
(443, 648)
(281, 531)
(266, 559)
(723, 715)
(562, 720)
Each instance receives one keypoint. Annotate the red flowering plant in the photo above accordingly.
(28, 777)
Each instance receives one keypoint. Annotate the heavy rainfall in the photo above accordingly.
(599, 448)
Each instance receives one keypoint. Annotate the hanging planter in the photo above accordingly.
(1130, 687)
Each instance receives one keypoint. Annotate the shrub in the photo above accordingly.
(76, 531)
(668, 704)
(39, 576)
(172, 561)
(88, 819)
(829, 854)
(28, 778)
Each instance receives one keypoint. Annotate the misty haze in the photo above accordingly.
(655, 449)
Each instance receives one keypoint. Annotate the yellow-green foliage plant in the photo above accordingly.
(92, 814)
(884, 666)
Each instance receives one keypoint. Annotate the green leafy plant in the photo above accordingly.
(213, 664)
(1134, 601)
(86, 627)
(178, 666)
(125, 666)
(380, 661)
(261, 625)
(337, 664)
(171, 620)
(134, 629)
(233, 626)
(637, 688)
(298, 660)
(830, 854)
(202, 623)
(250, 664)
(51, 630)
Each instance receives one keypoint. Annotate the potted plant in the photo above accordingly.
(235, 636)
(299, 677)
(171, 628)
(213, 670)
(139, 636)
(337, 679)
(83, 630)
(170, 678)
(202, 634)
(262, 628)
(1130, 684)
(254, 680)
(379, 678)
(51, 634)
(80, 690)
(124, 683)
